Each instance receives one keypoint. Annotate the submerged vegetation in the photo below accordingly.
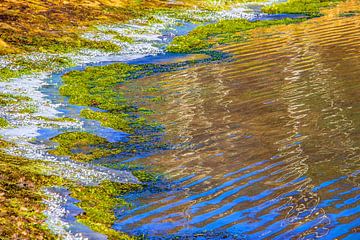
(310, 8)
(99, 203)
(225, 31)
(21, 183)
(98, 87)
(83, 147)
(21, 200)
(21, 65)
(3, 123)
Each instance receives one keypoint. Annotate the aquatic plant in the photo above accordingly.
(118, 121)
(310, 8)
(21, 65)
(3, 123)
(21, 198)
(100, 87)
(99, 203)
(145, 176)
(204, 37)
(10, 99)
(83, 147)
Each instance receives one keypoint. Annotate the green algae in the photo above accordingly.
(99, 203)
(145, 176)
(21, 198)
(61, 119)
(50, 44)
(4, 123)
(101, 87)
(122, 38)
(118, 121)
(95, 86)
(28, 110)
(21, 65)
(10, 99)
(225, 31)
(310, 8)
(83, 147)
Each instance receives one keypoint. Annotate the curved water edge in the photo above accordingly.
(32, 135)
(92, 175)
(272, 138)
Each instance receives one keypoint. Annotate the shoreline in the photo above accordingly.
(53, 116)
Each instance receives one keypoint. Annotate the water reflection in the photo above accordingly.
(267, 145)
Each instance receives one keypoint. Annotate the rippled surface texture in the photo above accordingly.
(266, 145)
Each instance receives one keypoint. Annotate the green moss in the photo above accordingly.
(123, 38)
(52, 44)
(28, 110)
(10, 99)
(21, 199)
(310, 8)
(145, 176)
(118, 121)
(62, 119)
(8, 73)
(83, 147)
(4, 123)
(95, 86)
(22, 66)
(225, 31)
(100, 87)
(99, 203)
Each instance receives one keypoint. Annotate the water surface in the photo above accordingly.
(265, 146)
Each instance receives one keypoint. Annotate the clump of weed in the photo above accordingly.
(4, 123)
(204, 37)
(83, 147)
(99, 203)
(310, 8)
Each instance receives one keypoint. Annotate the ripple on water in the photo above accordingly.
(268, 143)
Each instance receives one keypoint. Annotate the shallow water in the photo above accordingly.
(265, 146)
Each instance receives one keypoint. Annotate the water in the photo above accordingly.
(265, 146)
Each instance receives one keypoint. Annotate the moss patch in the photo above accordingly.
(145, 176)
(3, 123)
(99, 203)
(95, 86)
(22, 66)
(310, 8)
(83, 147)
(100, 87)
(225, 31)
(21, 200)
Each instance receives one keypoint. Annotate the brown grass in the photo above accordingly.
(28, 23)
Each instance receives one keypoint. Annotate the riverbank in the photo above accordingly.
(105, 105)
